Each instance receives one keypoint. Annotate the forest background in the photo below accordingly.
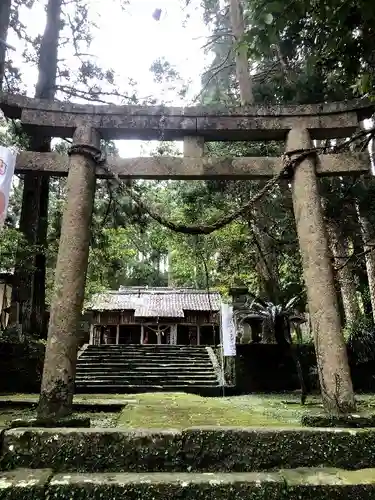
(298, 52)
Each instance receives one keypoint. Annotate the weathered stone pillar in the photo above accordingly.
(194, 146)
(57, 389)
(333, 367)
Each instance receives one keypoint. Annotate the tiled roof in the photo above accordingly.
(155, 302)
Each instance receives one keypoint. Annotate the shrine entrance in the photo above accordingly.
(129, 334)
(300, 165)
(157, 334)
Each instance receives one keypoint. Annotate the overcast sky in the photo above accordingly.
(129, 41)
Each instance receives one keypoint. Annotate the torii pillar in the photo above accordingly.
(334, 374)
(56, 396)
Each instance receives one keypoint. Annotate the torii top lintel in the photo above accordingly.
(59, 119)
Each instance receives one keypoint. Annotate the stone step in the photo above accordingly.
(148, 347)
(146, 354)
(148, 368)
(145, 360)
(210, 449)
(155, 372)
(206, 390)
(144, 348)
(161, 381)
(125, 381)
(126, 368)
(133, 374)
(149, 354)
(131, 364)
(202, 354)
(162, 378)
(203, 365)
(295, 484)
(167, 352)
(282, 484)
(146, 363)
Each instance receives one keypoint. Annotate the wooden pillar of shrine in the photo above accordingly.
(91, 340)
(330, 347)
(57, 389)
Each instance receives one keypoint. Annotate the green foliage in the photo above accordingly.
(304, 52)
(324, 50)
(277, 317)
(9, 239)
(360, 337)
(22, 361)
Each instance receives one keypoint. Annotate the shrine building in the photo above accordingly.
(162, 315)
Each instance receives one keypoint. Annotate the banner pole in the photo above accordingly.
(7, 165)
(222, 351)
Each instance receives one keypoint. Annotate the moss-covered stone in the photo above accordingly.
(159, 486)
(92, 450)
(200, 450)
(51, 422)
(330, 484)
(24, 484)
(214, 449)
(302, 484)
(347, 421)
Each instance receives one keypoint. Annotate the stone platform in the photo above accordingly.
(197, 463)
(200, 450)
(297, 484)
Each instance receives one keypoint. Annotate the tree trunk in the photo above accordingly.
(4, 25)
(30, 278)
(266, 267)
(368, 237)
(169, 269)
(340, 251)
(242, 62)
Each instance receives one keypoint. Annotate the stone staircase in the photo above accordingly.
(147, 368)
(200, 464)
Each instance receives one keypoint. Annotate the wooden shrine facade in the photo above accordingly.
(141, 315)
(296, 126)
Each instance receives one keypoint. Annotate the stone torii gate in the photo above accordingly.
(297, 125)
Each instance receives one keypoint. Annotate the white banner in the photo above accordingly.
(7, 165)
(228, 330)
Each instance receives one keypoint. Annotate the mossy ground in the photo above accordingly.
(98, 419)
(180, 410)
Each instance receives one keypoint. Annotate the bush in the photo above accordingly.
(361, 340)
(22, 359)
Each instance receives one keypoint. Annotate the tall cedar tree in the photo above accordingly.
(4, 25)
(30, 269)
